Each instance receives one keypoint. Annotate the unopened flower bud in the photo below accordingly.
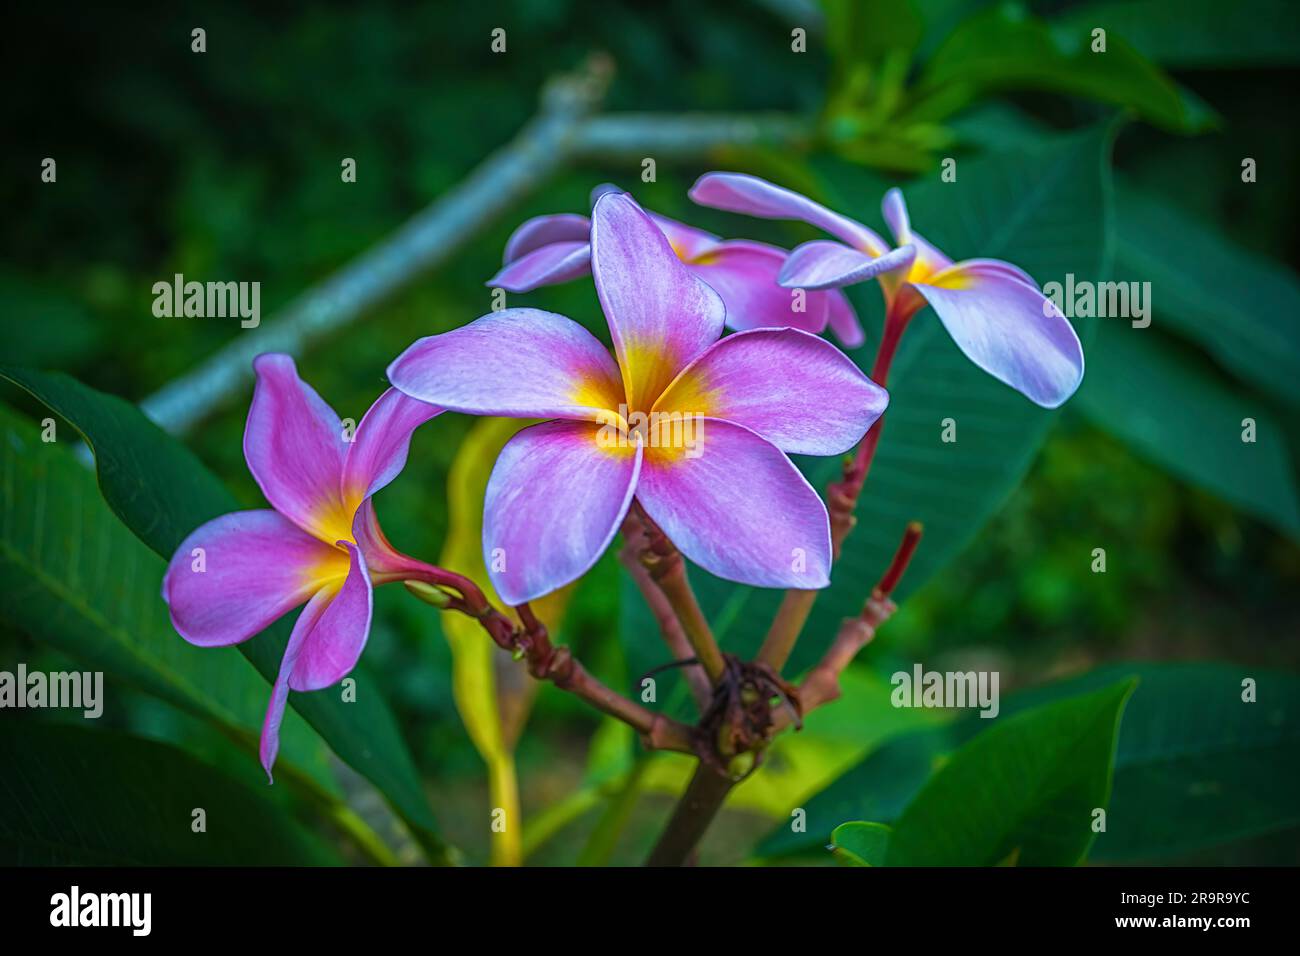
(429, 593)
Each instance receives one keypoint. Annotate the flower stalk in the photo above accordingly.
(545, 661)
(670, 628)
(711, 784)
(841, 496)
(667, 569)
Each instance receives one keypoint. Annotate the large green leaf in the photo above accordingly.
(1233, 302)
(1186, 34)
(1195, 767)
(1174, 408)
(1026, 788)
(1044, 208)
(1198, 764)
(878, 787)
(73, 796)
(72, 576)
(161, 491)
(860, 844)
(1004, 48)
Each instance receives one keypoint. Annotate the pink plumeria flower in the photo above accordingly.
(993, 310)
(321, 545)
(547, 250)
(733, 503)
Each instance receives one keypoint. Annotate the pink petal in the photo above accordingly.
(998, 267)
(602, 189)
(738, 192)
(928, 259)
(294, 446)
(334, 644)
(384, 562)
(255, 566)
(739, 510)
(549, 265)
(794, 389)
(687, 241)
(324, 646)
(383, 438)
(544, 230)
(894, 208)
(744, 274)
(269, 746)
(1008, 328)
(521, 363)
(843, 320)
(555, 500)
(822, 264)
(660, 315)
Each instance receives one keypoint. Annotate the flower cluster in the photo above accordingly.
(693, 426)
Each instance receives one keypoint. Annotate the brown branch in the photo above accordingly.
(560, 667)
(545, 661)
(710, 785)
(691, 817)
(841, 496)
(668, 570)
(822, 683)
(635, 541)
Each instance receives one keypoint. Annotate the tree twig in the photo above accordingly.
(687, 135)
(667, 569)
(635, 542)
(426, 240)
(822, 684)
(691, 817)
(709, 787)
(562, 131)
(545, 661)
(841, 499)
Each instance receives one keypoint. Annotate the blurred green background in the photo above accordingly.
(225, 165)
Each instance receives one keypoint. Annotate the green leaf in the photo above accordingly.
(1195, 767)
(1197, 764)
(72, 576)
(1233, 302)
(74, 796)
(161, 491)
(879, 786)
(1186, 34)
(1046, 209)
(1172, 407)
(1005, 48)
(1028, 786)
(860, 844)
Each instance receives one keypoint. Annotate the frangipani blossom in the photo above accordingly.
(731, 501)
(547, 250)
(321, 545)
(993, 310)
